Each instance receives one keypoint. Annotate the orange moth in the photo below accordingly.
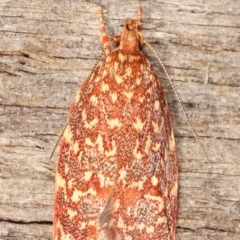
(117, 172)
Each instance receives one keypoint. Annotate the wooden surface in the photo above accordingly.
(48, 47)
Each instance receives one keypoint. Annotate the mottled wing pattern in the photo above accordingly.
(117, 171)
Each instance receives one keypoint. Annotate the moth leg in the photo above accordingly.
(104, 38)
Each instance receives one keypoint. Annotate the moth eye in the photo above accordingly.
(140, 46)
(115, 44)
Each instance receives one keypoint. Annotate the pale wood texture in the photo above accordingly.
(48, 47)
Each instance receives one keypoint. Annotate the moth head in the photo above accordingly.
(131, 25)
(131, 36)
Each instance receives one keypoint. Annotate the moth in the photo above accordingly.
(117, 170)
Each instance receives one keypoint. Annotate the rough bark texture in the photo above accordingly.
(48, 47)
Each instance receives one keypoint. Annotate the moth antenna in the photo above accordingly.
(104, 38)
(178, 98)
(71, 117)
(139, 11)
(56, 144)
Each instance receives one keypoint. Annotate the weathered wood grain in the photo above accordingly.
(48, 47)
